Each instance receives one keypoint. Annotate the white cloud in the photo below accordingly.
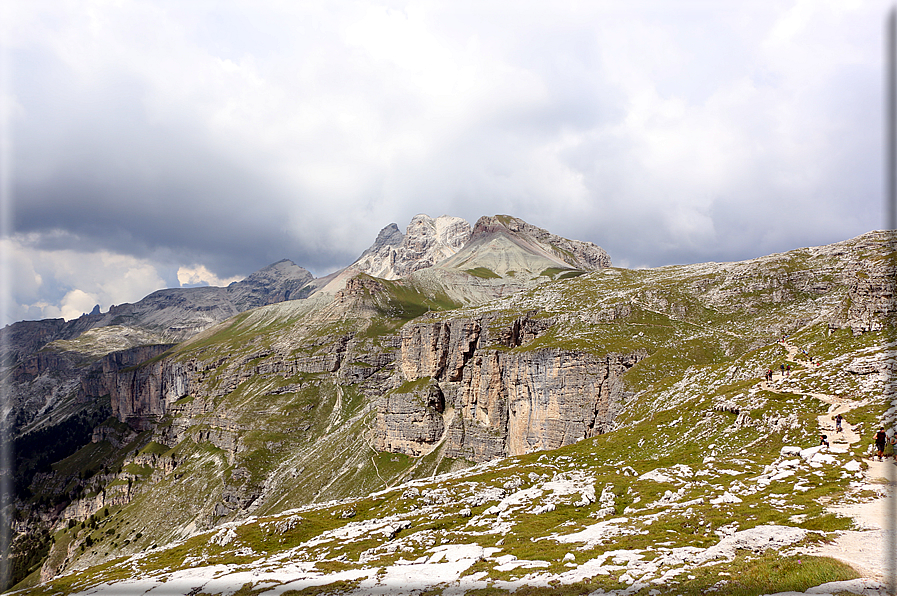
(200, 275)
(236, 135)
(73, 282)
(76, 303)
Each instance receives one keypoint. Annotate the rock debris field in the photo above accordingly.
(396, 556)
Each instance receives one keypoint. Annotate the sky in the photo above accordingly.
(150, 144)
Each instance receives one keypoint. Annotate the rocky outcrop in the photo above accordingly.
(26, 337)
(439, 349)
(871, 304)
(470, 382)
(238, 494)
(37, 364)
(410, 419)
(426, 242)
(357, 288)
(141, 395)
(503, 402)
(379, 259)
(535, 400)
(102, 378)
(43, 375)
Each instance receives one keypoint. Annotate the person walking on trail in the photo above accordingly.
(880, 439)
(782, 368)
(838, 420)
(788, 370)
(823, 440)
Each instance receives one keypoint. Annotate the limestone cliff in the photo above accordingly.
(471, 382)
(503, 402)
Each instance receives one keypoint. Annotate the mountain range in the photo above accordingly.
(454, 397)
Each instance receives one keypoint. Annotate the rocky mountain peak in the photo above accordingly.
(575, 253)
(277, 282)
(388, 236)
(426, 241)
(281, 270)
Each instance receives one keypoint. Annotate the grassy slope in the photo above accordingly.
(707, 330)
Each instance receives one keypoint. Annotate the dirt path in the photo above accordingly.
(869, 548)
(839, 442)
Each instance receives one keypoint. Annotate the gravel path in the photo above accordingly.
(871, 548)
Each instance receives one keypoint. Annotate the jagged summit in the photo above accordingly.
(426, 242)
(500, 255)
(388, 236)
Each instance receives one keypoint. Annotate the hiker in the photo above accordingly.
(788, 370)
(782, 368)
(838, 420)
(823, 440)
(880, 439)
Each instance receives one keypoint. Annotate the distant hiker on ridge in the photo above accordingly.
(838, 420)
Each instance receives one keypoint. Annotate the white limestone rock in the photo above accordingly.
(757, 539)
(426, 242)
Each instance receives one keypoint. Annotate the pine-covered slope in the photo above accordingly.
(617, 416)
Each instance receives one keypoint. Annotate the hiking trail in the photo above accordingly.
(863, 548)
(839, 442)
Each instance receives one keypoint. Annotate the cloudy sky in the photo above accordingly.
(151, 144)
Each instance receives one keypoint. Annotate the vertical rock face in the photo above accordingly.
(871, 298)
(141, 395)
(503, 402)
(103, 377)
(408, 421)
(439, 350)
(540, 399)
(469, 384)
(41, 362)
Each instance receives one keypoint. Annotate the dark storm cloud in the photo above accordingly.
(110, 178)
(186, 142)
